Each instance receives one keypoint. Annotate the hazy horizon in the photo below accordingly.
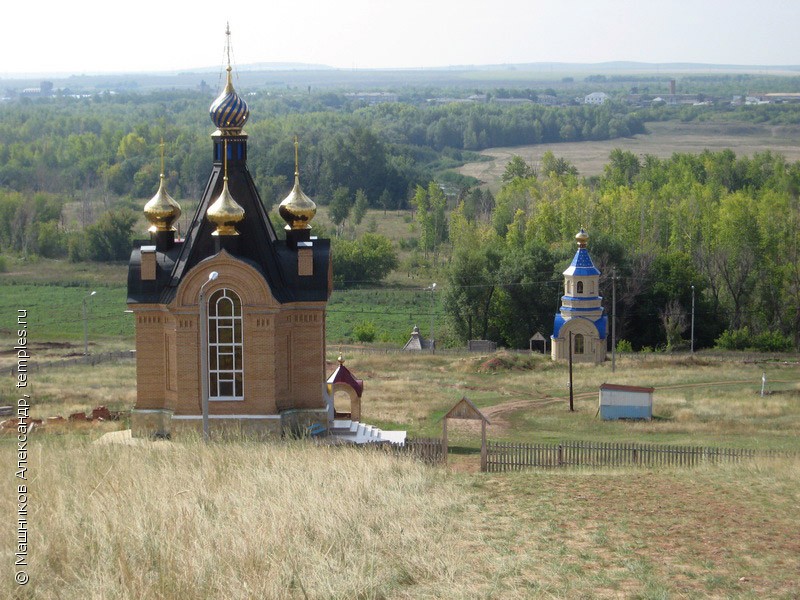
(155, 37)
(610, 67)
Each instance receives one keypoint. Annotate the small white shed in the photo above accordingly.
(625, 402)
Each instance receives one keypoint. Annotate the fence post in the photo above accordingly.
(444, 441)
(483, 446)
(560, 455)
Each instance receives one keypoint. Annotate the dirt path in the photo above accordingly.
(498, 413)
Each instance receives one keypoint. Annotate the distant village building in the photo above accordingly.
(45, 89)
(512, 101)
(372, 98)
(547, 100)
(581, 317)
(781, 97)
(596, 98)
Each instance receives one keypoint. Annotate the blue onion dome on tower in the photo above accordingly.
(229, 111)
(297, 209)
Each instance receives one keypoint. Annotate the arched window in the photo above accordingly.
(578, 343)
(225, 366)
(579, 287)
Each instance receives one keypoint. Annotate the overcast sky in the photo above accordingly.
(87, 36)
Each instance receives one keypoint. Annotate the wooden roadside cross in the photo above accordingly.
(465, 409)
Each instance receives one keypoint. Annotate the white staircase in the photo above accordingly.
(354, 432)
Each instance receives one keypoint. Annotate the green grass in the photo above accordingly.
(526, 398)
(156, 517)
(55, 312)
(238, 519)
(54, 294)
(393, 311)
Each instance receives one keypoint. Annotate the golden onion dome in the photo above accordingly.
(162, 210)
(582, 238)
(225, 212)
(297, 209)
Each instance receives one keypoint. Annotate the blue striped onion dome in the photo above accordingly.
(229, 111)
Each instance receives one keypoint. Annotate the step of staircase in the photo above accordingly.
(355, 432)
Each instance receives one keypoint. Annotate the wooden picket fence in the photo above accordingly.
(427, 450)
(509, 456)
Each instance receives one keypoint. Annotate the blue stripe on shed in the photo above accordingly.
(610, 413)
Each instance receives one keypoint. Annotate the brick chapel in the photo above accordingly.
(262, 300)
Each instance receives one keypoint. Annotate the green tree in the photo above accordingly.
(517, 168)
(431, 204)
(622, 168)
(51, 241)
(368, 259)
(360, 207)
(365, 331)
(526, 297)
(472, 279)
(131, 146)
(553, 166)
(110, 237)
(385, 200)
(737, 258)
(339, 208)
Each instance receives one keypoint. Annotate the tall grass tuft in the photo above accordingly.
(232, 520)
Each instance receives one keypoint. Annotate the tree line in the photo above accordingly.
(68, 145)
(722, 229)
(65, 161)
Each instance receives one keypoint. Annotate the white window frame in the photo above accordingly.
(225, 344)
(579, 343)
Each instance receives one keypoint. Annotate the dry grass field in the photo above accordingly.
(662, 140)
(237, 519)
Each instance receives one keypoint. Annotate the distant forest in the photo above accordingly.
(712, 232)
(108, 144)
(74, 173)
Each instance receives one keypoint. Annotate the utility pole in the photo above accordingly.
(204, 352)
(86, 325)
(613, 319)
(692, 319)
(571, 406)
(432, 288)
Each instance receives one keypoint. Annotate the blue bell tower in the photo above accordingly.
(581, 312)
